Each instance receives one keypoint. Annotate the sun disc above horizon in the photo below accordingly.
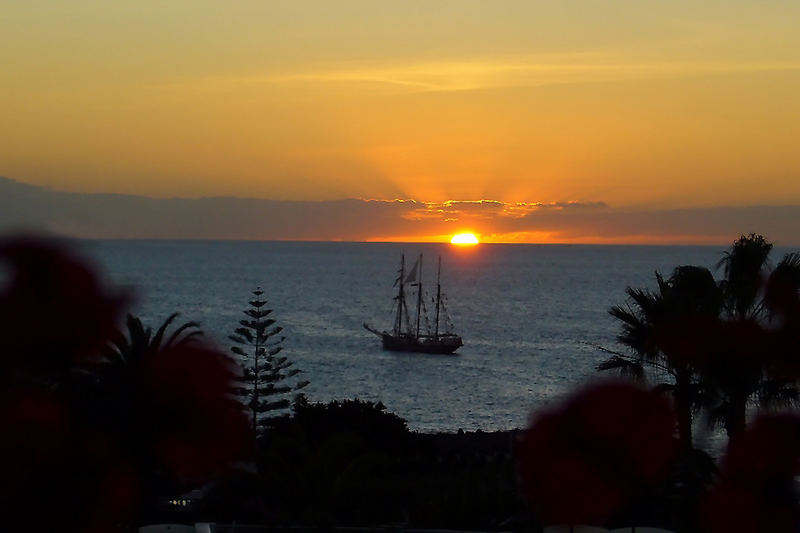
(464, 239)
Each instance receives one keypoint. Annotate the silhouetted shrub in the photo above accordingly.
(371, 421)
(352, 462)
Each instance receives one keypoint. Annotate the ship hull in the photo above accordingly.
(408, 343)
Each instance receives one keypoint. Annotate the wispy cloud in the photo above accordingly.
(487, 73)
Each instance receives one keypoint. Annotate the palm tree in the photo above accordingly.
(661, 331)
(714, 338)
(752, 293)
(126, 360)
(140, 340)
(744, 267)
(124, 385)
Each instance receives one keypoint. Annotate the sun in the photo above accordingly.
(464, 239)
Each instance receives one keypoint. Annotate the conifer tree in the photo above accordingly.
(268, 379)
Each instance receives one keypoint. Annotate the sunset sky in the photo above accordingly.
(624, 106)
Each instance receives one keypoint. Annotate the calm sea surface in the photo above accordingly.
(530, 315)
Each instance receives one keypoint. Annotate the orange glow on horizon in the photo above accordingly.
(537, 237)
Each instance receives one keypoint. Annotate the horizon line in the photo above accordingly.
(334, 241)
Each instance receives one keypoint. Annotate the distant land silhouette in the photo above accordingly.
(32, 208)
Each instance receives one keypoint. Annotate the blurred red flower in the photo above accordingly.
(757, 488)
(585, 460)
(85, 436)
(54, 311)
(184, 407)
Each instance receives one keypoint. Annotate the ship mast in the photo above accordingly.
(398, 323)
(419, 292)
(438, 297)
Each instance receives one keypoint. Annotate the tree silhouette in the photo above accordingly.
(662, 331)
(714, 338)
(744, 267)
(150, 372)
(738, 374)
(267, 379)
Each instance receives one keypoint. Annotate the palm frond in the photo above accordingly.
(776, 393)
(626, 367)
(186, 339)
(155, 344)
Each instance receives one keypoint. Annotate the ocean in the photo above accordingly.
(531, 316)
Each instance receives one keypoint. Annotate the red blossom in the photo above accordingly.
(114, 498)
(586, 460)
(196, 428)
(35, 437)
(81, 436)
(54, 311)
(756, 491)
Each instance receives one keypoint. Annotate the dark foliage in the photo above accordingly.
(381, 429)
(353, 463)
(726, 344)
(667, 332)
(167, 397)
(743, 266)
(759, 327)
(738, 341)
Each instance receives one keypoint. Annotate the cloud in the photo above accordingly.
(689, 226)
(504, 72)
(122, 216)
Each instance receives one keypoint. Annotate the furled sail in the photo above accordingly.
(412, 274)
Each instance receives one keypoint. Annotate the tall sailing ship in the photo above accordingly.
(411, 331)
